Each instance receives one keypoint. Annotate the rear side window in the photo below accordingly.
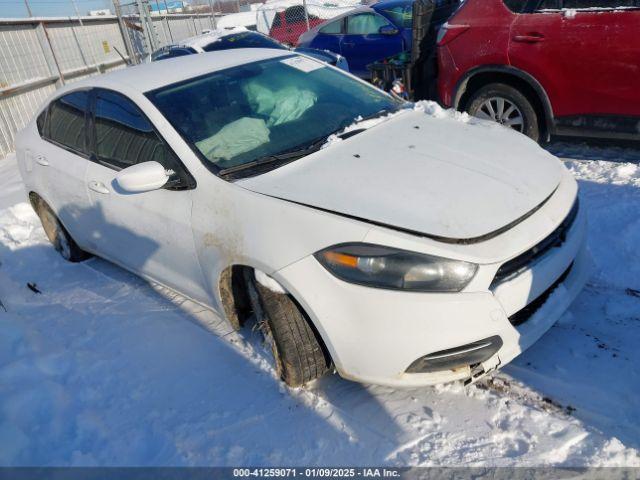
(516, 6)
(171, 53)
(365, 24)
(578, 4)
(332, 28)
(65, 122)
(40, 122)
(124, 136)
(549, 5)
(243, 40)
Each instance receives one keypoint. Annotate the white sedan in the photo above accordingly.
(405, 251)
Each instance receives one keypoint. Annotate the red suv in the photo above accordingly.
(288, 25)
(545, 67)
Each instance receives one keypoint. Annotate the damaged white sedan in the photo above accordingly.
(405, 251)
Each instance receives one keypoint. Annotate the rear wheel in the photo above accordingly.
(297, 348)
(57, 234)
(506, 105)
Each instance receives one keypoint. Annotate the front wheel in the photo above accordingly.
(506, 105)
(297, 348)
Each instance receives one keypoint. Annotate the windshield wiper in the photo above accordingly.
(280, 158)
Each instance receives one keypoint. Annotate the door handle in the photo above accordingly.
(529, 38)
(348, 44)
(98, 187)
(42, 160)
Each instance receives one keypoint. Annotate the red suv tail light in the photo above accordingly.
(449, 32)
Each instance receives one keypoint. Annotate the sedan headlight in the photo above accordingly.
(386, 267)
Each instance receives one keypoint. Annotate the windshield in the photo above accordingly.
(261, 109)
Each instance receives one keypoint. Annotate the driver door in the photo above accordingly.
(363, 43)
(150, 232)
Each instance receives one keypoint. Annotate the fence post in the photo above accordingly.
(306, 14)
(124, 33)
(213, 15)
(49, 52)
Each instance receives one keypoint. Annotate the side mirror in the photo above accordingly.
(143, 177)
(388, 30)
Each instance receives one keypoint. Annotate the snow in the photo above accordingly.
(102, 368)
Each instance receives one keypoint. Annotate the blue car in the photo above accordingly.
(368, 34)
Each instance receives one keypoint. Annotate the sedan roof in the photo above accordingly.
(149, 76)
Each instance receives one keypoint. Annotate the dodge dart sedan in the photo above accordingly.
(363, 235)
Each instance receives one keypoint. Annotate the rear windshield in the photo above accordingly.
(243, 40)
(241, 114)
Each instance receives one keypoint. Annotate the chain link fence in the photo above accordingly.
(286, 20)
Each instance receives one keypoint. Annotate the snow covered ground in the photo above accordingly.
(102, 369)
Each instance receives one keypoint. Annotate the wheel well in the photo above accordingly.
(479, 80)
(33, 199)
(237, 304)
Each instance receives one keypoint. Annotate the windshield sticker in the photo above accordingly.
(302, 63)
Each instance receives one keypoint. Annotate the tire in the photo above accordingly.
(489, 98)
(297, 349)
(57, 234)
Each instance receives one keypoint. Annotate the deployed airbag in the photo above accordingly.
(235, 138)
(280, 106)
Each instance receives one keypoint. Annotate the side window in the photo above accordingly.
(365, 24)
(549, 5)
(124, 137)
(582, 4)
(332, 28)
(516, 6)
(65, 122)
(276, 20)
(402, 16)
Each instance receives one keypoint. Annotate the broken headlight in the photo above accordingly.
(386, 267)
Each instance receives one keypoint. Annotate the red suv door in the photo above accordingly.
(588, 61)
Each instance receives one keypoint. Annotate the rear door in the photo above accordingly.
(585, 54)
(150, 232)
(363, 43)
(60, 161)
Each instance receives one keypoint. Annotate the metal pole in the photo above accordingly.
(213, 15)
(26, 4)
(306, 14)
(88, 37)
(166, 17)
(124, 32)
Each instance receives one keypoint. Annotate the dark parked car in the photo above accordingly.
(240, 38)
(545, 67)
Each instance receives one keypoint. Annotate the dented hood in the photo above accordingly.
(437, 176)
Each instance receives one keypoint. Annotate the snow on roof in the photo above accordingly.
(149, 76)
(200, 41)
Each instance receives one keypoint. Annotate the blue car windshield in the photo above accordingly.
(265, 108)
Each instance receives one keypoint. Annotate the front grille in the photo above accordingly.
(556, 239)
(527, 312)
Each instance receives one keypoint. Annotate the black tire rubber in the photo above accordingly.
(296, 347)
(531, 123)
(61, 240)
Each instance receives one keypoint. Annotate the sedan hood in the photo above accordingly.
(441, 177)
